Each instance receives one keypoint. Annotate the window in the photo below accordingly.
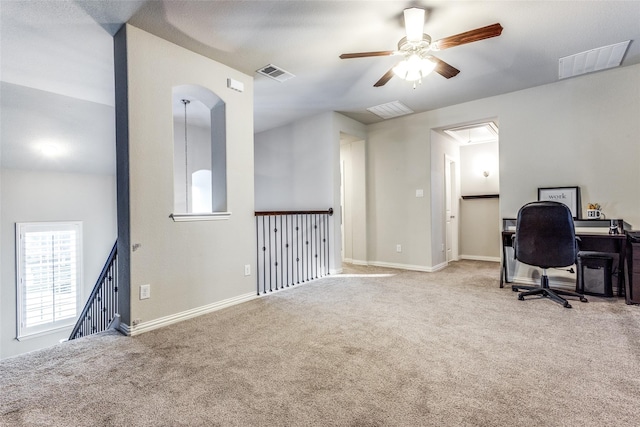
(49, 274)
(201, 190)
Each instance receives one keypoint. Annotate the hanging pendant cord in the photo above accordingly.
(186, 163)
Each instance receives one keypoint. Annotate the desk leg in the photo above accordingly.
(622, 254)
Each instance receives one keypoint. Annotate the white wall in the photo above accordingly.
(474, 160)
(480, 229)
(480, 218)
(294, 166)
(297, 168)
(582, 131)
(30, 196)
(196, 266)
(398, 163)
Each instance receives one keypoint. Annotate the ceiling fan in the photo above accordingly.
(416, 48)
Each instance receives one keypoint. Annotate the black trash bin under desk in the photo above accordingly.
(594, 273)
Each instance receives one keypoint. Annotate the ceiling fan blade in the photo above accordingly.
(414, 23)
(445, 70)
(366, 54)
(468, 37)
(384, 79)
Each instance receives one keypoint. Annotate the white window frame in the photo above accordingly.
(23, 331)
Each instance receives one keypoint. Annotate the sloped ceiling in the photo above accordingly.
(65, 48)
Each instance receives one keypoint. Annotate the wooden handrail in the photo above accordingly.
(268, 213)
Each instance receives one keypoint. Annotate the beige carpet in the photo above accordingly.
(403, 349)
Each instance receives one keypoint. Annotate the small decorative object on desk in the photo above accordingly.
(613, 227)
(594, 211)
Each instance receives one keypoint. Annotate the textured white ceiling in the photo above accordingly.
(65, 47)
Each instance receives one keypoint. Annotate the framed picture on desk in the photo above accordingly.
(569, 196)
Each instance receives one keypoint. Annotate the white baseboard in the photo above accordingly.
(179, 317)
(407, 266)
(439, 267)
(355, 261)
(297, 285)
(480, 258)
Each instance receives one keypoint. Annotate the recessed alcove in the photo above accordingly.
(199, 154)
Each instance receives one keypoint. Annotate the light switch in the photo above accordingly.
(419, 192)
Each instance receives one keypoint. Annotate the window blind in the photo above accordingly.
(48, 276)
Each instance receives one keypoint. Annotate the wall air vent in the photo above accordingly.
(592, 60)
(275, 73)
(390, 110)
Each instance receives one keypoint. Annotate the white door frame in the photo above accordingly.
(451, 208)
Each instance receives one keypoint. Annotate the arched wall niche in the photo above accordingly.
(199, 136)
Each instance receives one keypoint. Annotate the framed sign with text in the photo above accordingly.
(569, 196)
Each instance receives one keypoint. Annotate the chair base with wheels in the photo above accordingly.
(544, 291)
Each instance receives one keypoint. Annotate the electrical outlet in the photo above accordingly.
(398, 248)
(145, 291)
(247, 270)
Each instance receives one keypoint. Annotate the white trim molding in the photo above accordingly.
(355, 261)
(408, 266)
(150, 325)
(297, 285)
(480, 258)
(186, 217)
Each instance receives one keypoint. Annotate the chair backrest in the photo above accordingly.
(545, 235)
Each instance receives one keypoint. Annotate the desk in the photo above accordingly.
(594, 236)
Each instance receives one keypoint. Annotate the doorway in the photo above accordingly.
(353, 209)
(478, 214)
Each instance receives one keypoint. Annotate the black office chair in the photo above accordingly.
(546, 238)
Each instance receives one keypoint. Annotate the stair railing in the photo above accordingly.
(293, 248)
(102, 306)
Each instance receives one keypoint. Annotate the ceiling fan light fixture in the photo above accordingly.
(414, 23)
(414, 68)
(427, 66)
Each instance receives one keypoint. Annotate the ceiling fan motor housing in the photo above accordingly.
(407, 47)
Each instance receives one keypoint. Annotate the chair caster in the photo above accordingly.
(514, 288)
(520, 297)
(583, 299)
(567, 305)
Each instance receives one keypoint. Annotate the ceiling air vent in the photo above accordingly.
(275, 73)
(390, 110)
(592, 60)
